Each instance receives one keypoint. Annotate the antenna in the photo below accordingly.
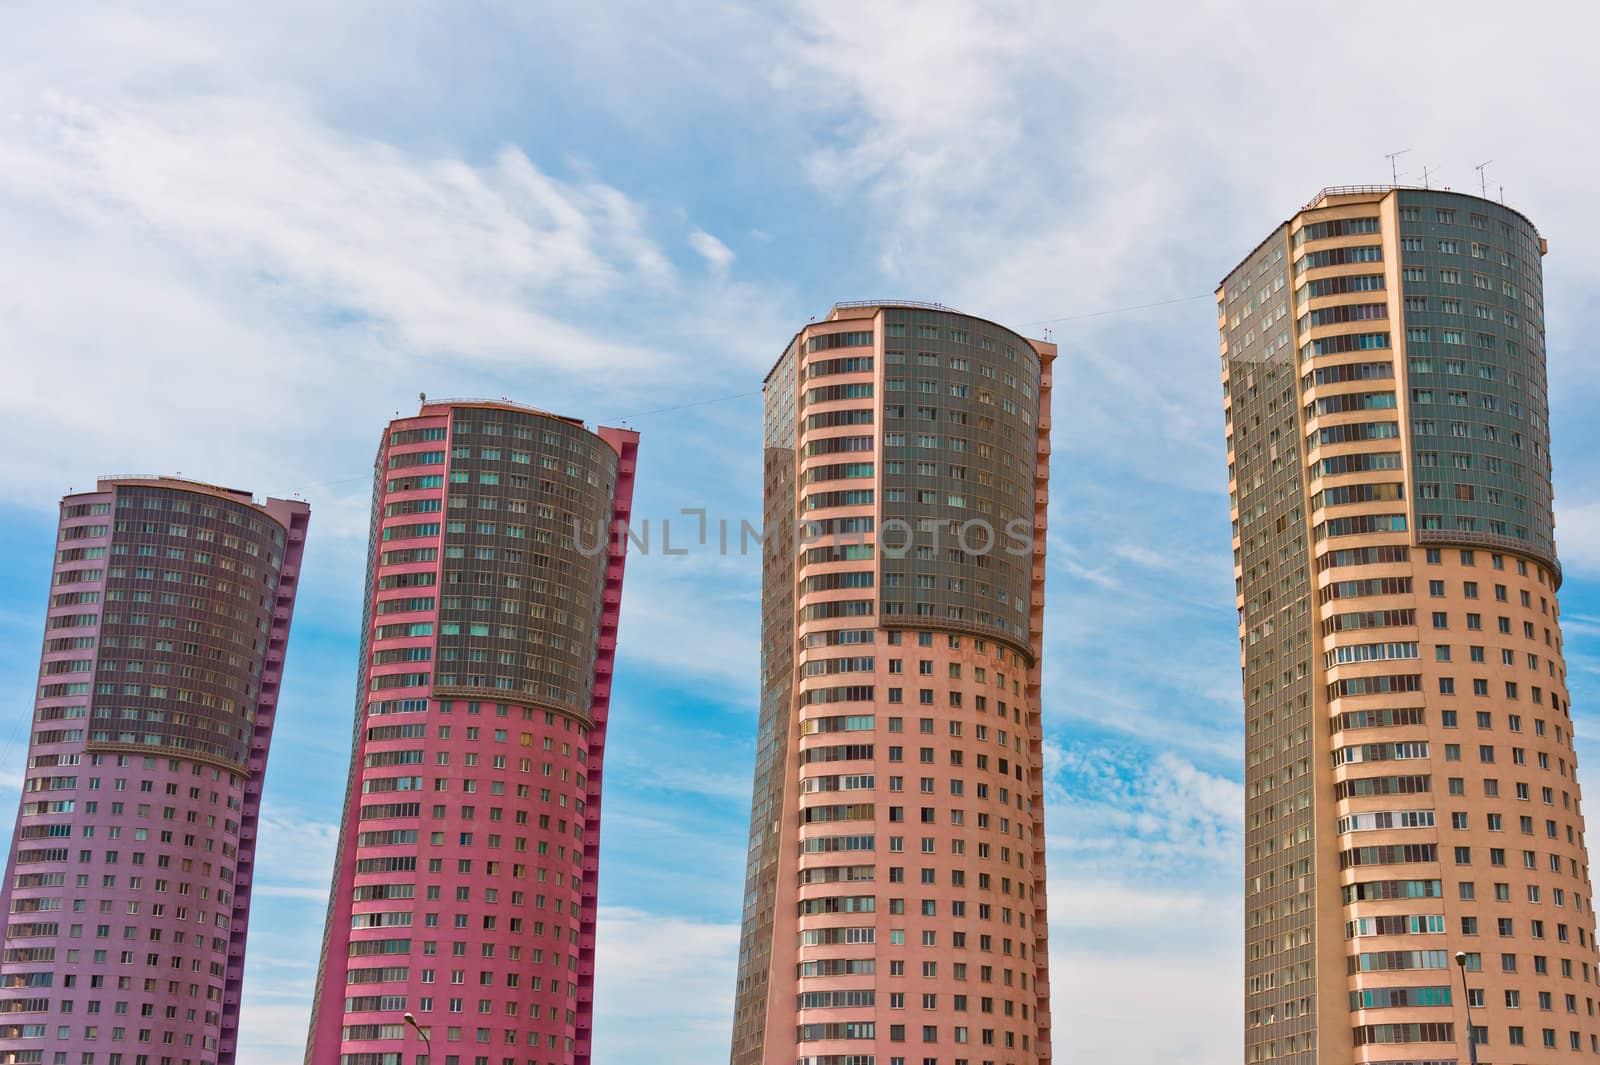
(1483, 185)
(1502, 195)
(1425, 172)
(423, 396)
(1394, 171)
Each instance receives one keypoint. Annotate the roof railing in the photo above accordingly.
(921, 304)
(178, 478)
(1359, 190)
(502, 401)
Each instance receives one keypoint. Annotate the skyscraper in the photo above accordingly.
(127, 890)
(464, 889)
(894, 906)
(1411, 786)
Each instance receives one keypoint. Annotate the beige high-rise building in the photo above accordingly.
(1411, 789)
(894, 907)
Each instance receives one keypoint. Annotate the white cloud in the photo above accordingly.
(1034, 159)
(663, 988)
(239, 248)
(294, 863)
(447, 254)
(929, 107)
(1100, 1002)
(695, 615)
(1578, 536)
(294, 855)
(1110, 810)
(718, 256)
(274, 1032)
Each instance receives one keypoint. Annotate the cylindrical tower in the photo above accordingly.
(465, 886)
(895, 895)
(127, 888)
(1411, 776)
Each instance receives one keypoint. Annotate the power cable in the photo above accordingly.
(1120, 310)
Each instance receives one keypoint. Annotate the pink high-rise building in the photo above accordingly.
(464, 892)
(127, 890)
(894, 906)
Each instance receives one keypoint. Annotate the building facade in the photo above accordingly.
(894, 906)
(464, 890)
(127, 890)
(1411, 788)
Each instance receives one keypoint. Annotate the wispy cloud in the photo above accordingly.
(671, 978)
(294, 855)
(718, 256)
(255, 242)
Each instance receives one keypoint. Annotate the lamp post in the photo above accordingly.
(428, 1045)
(1472, 1044)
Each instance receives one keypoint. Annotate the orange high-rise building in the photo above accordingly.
(894, 907)
(1411, 789)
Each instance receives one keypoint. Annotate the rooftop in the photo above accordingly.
(833, 315)
(1376, 192)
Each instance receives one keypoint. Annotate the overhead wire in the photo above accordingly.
(744, 395)
(1120, 310)
(14, 743)
(1039, 321)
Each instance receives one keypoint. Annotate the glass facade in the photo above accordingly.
(960, 399)
(775, 724)
(1267, 466)
(1473, 314)
(520, 600)
(203, 570)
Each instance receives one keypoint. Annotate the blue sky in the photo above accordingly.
(233, 243)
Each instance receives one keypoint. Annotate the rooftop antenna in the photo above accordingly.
(1425, 172)
(1483, 185)
(423, 397)
(1394, 166)
(1502, 195)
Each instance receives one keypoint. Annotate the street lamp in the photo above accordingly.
(1472, 1044)
(428, 1045)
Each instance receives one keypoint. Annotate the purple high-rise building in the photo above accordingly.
(127, 889)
